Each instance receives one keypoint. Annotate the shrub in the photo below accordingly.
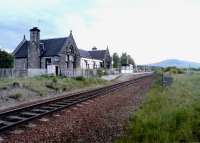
(52, 86)
(168, 115)
(54, 80)
(100, 72)
(16, 84)
(174, 70)
(80, 78)
(15, 96)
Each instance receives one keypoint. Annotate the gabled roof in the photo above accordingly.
(98, 54)
(22, 52)
(51, 47)
(84, 54)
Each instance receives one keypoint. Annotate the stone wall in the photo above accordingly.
(20, 64)
(64, 64)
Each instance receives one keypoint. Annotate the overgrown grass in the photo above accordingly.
(168, 115)
(44, 84)
(15, 96)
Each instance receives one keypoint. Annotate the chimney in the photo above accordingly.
(70, 33)
(94, 48)
(34, 49)
(35, 35)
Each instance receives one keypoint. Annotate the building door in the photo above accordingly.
(57, 73)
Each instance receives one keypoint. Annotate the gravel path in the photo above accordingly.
(96, 121)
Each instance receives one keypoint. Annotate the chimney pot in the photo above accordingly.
(94, 48)
(35, 29)
(35, 35)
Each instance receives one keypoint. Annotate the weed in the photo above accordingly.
(15, 96)
(168, 114)
(80, 78)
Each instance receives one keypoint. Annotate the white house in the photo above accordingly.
(94, 59)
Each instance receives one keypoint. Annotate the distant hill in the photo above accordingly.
(176, 63)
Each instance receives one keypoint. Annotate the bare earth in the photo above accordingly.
(96, 121)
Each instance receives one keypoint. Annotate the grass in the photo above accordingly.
(168, 114)
(44, 84)
(15, 96)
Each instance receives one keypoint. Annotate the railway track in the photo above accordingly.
(22, 115)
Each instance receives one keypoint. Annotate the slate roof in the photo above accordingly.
(51, 47)
(23, 50)
(98, 54)
(84, 54)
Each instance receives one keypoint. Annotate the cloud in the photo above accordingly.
(166, 29)
(148, 30)
(5, 49)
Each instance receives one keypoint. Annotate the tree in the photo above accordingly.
(6, 59)
(131, 61)
(116, 60)
(124, 59)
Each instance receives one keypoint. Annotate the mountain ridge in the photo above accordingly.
(176, 63)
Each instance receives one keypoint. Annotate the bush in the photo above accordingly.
(52, 86)
(15, 96)
(80, 78)
(54, 80)
(100, 72)
(6, 59)
(173, 70)
(168, 115)
(16, 84)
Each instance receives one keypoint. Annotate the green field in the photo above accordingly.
(45, 84)
(168, 114)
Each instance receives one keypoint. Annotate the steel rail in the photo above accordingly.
(22, 115)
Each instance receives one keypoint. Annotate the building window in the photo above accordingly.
(94, 65)
(86, 64)
(71, 49)
(56, 59)
(47, 62)
(24, 65)
(71, 58)
(66, 58)
(101, 65)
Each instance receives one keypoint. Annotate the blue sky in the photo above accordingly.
(17, 17)
(149, 30)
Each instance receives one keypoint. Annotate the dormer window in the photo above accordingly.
(67, 58)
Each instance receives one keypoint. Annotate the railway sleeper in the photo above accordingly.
(55, 105)
(28, 114)
(63, 103)
(37, 110)
(4, 123)
(14, 118)
(47, 108)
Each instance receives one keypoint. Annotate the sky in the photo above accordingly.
(149, 30)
